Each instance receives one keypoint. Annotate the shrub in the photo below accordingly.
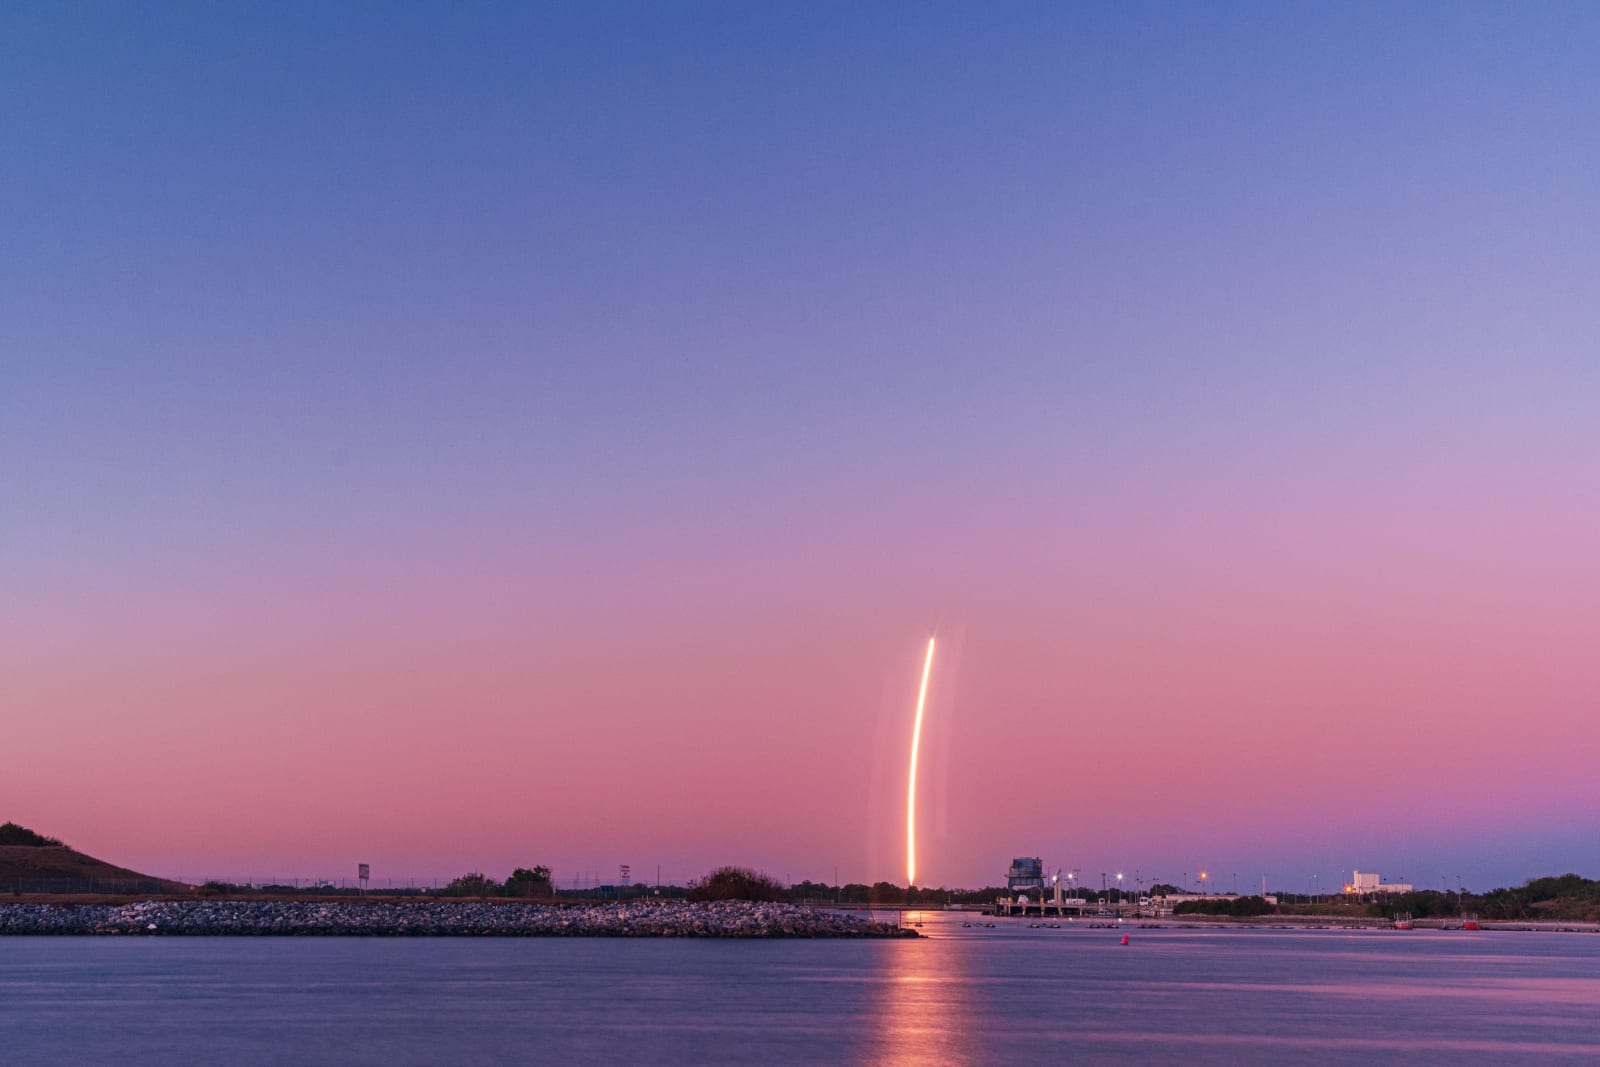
(12, 834)
(476, 884)
(736, 883)
(526, 882)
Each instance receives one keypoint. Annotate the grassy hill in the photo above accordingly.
(12, 834)
(33, 863)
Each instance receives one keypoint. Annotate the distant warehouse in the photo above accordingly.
(1367, 883)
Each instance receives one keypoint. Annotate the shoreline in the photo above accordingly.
(201, 918)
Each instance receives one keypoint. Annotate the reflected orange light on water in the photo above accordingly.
(923, 1015)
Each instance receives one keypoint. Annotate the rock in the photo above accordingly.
(441, 918)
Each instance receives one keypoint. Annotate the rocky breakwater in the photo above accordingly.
(439, 919)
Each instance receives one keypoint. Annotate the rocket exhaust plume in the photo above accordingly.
(911, 787)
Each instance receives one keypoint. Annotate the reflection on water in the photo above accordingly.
(963, 994)
(1526, 990)
(922, 1007)
(977, 994)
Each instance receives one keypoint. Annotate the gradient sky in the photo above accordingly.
(459, 436)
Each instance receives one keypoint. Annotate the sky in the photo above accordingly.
(466, 436)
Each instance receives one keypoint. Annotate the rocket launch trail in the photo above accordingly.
(911, 786)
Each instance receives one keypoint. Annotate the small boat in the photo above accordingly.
(1470, 922)
(1402, 921)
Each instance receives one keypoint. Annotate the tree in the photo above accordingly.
(737, 883)
(1238, 906)
(530, 882)
(476, 884)
(887, 893)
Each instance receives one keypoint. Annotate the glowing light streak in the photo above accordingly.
(911, 787)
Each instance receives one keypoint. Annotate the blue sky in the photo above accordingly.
(603, 295)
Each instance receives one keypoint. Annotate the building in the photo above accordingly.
(1368, 883)
(1026, 876)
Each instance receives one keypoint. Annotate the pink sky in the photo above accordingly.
(1252, 675)
(508, 435)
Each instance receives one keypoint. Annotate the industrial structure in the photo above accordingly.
(1369, 883)
(1029, 892)
(1026, 877)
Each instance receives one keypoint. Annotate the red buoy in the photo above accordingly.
(1124, 939)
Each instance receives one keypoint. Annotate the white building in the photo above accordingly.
(1365, 883)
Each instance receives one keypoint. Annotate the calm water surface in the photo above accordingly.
(1006, 995)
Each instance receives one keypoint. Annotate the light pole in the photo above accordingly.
(1119, 892)
(1203, 877)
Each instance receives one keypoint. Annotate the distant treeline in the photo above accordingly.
(1567, 897)
(891, 895)
(1240, 906)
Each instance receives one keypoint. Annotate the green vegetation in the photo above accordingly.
(530, 882)
(889, 894)
(522, 882)
(12, 834)
(1565, 897)
(737, 883)
(1239, 906)
(1427, 904)
(475, 884)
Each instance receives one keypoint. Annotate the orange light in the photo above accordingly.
(911, 786)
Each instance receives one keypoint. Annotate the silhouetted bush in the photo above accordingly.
(737, 883)
(476, 884)
(530, 882)
(12, 834)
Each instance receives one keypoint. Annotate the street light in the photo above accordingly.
(1203, 877)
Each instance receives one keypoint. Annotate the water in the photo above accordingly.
(1006, 995)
